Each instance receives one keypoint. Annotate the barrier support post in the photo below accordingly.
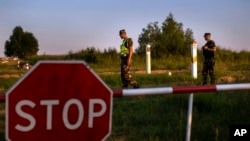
(191, 96)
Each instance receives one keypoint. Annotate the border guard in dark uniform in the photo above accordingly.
(209, 50)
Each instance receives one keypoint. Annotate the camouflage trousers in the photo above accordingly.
(208, 68)
(126, 75)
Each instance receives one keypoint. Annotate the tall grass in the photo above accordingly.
(109, 60)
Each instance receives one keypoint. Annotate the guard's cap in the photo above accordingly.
(122, 31)
(206, 34)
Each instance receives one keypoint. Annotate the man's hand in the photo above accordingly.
(209, 49)
(130, 55)
(129, 62)
(205, 47)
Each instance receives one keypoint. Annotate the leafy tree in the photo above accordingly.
(90, 55)
(150, 35)
(21, 44)
(169, 39)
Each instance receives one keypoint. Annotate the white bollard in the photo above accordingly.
(194, 59)
(148, 59)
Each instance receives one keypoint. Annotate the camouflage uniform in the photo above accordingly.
(125, 69)
(209, 63)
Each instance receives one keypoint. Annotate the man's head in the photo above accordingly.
(123, 34)
(207, 36)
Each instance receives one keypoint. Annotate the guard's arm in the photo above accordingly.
(130, 55)
(130, 47)
(210, 49)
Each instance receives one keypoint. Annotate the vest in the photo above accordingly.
(124, 50)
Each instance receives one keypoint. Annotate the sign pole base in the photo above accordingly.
(189, 119)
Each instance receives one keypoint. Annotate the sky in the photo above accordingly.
(64, 25)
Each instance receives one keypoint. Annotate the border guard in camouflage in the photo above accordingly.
(209, 50)
(126, 52)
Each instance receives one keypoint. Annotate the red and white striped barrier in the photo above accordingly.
(174, 90)
(181, 89)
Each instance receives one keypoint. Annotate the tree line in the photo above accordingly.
(169, 39)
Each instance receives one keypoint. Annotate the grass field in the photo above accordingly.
(163, 118)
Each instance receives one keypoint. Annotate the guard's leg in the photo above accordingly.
(204, 73)
(129, 77)
(123, 77)
(211, 71)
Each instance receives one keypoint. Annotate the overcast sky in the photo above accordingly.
(61, 25)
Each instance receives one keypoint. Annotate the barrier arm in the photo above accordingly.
(173, 90)
(181, 89)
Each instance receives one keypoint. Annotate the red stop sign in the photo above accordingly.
(59, 100)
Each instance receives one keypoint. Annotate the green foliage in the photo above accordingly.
(152, 35)
(34, 59)
(232, 56)
(6, 83)
(112, 52)
(89, 54)
(168, 40)
(109, 61)
(21, 44)
(102, 60)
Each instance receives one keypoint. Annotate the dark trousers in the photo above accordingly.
(126, 75)
(208, 68)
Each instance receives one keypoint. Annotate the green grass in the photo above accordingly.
(9, 74)
(164, 117)
(153, 118)
(5, 84)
